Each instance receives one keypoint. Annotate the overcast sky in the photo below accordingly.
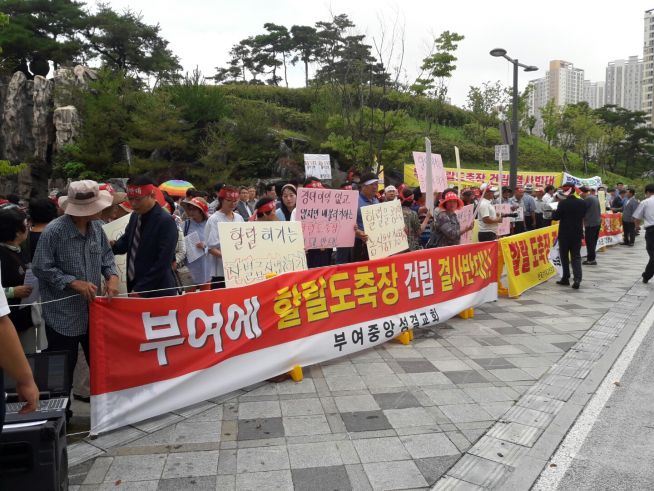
(586, 33)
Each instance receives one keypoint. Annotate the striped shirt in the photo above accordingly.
(62, 256)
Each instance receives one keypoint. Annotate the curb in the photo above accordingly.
(514, 451)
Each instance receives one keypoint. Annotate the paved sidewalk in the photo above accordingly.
(393, 417)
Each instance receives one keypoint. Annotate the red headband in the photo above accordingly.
(140, 191)
(270, 206)
(229, 194)
(314, 184)
(408, 199)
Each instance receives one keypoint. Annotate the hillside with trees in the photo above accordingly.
(244, 121)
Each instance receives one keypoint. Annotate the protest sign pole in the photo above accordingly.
(458, 169)
(429, 185)
(499, 178)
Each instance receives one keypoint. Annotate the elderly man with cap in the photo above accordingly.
(570, 212)
(390, 193)
(72, 259)
(367, 197)
(150, 241)
(487, 216)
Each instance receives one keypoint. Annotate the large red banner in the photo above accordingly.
(151, 356)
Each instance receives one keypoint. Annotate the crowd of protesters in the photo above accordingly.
(60, 240)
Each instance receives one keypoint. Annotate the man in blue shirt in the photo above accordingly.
(367, 197)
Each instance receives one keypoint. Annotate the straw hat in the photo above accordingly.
(85, 199)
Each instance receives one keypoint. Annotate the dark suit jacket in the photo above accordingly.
(241, 210)
(571, 213)
(155, 254)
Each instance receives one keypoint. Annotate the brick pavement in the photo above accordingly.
(393, 417)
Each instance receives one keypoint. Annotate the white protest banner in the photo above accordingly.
(569, 179)
(328, 217)
(151, 356)
(466, 217)
(252, 250)
(503, 228)
(501, 152)
(429, 180)
(317, 165)
(439, 178)
(114, 231)
(384, 225)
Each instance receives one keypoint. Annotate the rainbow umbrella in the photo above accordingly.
(176, 187)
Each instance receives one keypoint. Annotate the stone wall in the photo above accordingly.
(37, 119)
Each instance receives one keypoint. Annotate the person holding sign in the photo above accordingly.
(264, 210)
(197, 211)
(412, 224)
(228, 197)
(289, 200)
(367, 197)
(488, 217)
(316, 258)
(446, 231)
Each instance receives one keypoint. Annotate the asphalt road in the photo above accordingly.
(617, 452)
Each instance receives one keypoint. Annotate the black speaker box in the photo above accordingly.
(34, 458)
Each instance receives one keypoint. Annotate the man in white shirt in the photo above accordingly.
(645, 213)
(487, 216)
(548, 198)
(12, 359)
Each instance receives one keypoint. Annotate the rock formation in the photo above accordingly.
(37, 118)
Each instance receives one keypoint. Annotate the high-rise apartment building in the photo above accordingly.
(563, 83)
(624, 83)
(566, 83)
(594, 94)
(648, 65)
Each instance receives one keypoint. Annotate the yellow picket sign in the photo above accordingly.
(526, 257)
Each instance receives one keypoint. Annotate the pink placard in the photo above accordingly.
(328, 217)
(503, 228)
(439, 177)
(466, 217)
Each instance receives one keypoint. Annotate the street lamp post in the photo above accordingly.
(501, 53)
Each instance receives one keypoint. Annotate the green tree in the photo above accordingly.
(551, 114)
(41, 31)
(238, 148)
(275, 43)
(634, 150)
(344, 59)
(159, 136)
(105, 111)
(437, 68)
(485, 103)
(304, 43)
(124, 42)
